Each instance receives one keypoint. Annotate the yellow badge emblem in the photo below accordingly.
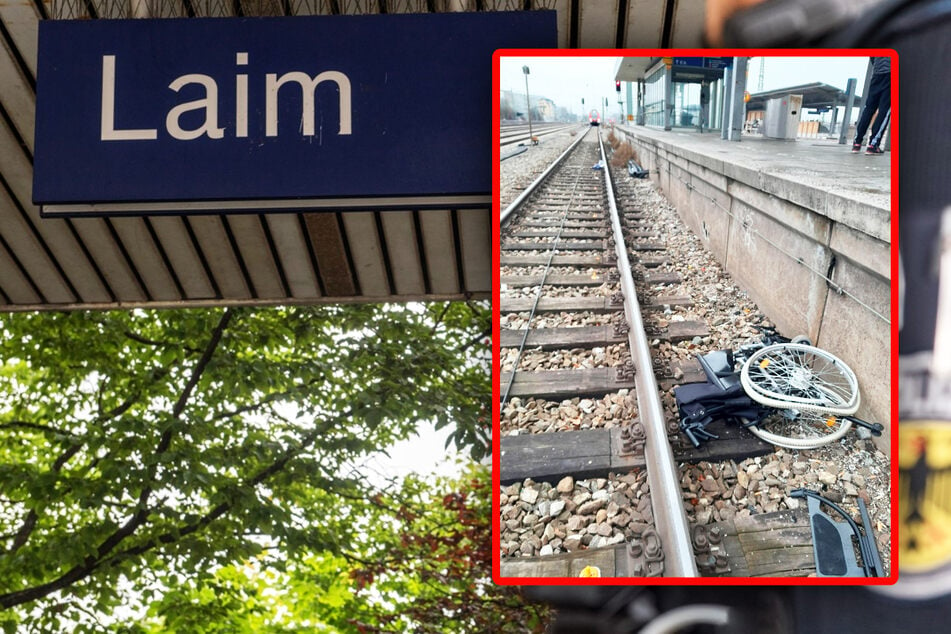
(924, 494)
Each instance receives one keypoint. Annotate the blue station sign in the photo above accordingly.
(715, 63)
(165, 115)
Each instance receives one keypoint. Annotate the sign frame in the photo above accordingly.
(189, 116)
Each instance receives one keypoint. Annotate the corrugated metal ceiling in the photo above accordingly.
(52, 263)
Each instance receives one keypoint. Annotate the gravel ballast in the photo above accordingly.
(845, 471)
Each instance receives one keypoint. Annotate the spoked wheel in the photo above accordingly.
(801, 429)
(801, 377)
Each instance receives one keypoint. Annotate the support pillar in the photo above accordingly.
(630, 102)
(727, 97)
(668, 97)
(641, 116)
(737, 104)
(847, 115)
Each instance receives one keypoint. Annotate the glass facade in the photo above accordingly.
(688, 110)
(654, 98)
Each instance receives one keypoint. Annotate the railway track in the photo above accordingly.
(574, 343)
(513, 134)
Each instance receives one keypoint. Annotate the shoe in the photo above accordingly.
(856, 148)
(873, 150)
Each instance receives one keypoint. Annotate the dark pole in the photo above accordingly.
(528, 104)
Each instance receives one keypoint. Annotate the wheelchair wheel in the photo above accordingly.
(801, 377)
(801, 429)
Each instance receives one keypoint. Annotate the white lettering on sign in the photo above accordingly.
(307, 115)
(108, 129)
(209, 104)
(241, 98)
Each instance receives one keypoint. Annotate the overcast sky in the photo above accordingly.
(566, 80)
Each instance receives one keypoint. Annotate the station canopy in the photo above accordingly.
(685, 69)
(815, 96)
(258, 258)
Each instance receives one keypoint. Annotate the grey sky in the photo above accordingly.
(566, 80)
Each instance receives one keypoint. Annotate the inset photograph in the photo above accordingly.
(693, 363)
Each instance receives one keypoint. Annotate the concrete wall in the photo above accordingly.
(748, 219)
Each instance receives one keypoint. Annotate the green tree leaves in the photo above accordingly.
(180, 442)
(421, 564)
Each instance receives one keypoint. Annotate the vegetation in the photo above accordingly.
(622, 151)
(209, 460)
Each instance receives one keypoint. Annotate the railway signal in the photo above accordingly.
(528, 103)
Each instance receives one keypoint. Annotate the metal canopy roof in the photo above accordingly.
(634, 68)
(814, 95)
(258, 258)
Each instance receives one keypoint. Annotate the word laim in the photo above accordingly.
(209, 104)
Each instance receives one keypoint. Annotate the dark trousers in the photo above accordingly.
(879, 98)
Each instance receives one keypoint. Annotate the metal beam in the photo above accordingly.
(737, 105)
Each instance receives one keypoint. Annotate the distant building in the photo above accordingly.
(546, 108)
(512, 107)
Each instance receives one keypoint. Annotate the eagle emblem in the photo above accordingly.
(924, 494)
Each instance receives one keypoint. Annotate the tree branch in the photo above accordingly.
(134, 336)
(475, 340)
(103, 557)
(29, 522)
(219, 510)
(46, 429)
(157, 375)
(270, 398)
(439, 319)
(92, 562)
(202, 364)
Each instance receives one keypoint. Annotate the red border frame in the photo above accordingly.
(496, 414)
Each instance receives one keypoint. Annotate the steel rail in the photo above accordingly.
(507, 212)
(538, 293)
(670, 519)
(517, 136)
